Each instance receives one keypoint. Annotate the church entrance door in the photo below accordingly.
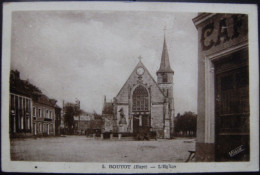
(140, 108)
(140, 121)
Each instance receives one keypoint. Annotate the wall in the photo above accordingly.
(157, 121)
(20, 114)
(218, 35)
(41, 121)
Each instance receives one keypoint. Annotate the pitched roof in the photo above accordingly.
(43, 99)
(140, 64)
(165, 66)
(107, 108)
(22, 87)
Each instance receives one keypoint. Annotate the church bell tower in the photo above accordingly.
(165, 82)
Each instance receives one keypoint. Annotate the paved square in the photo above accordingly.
(85, 149)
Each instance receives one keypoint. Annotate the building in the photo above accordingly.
(223, 87)
(20, 105)
(143, 102)
(82, 122)
(31, 112)
(43, 115)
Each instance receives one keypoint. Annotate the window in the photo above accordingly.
(16, 103)
(47, 113)
(40, 127)
(50, 115)
(12, 102)
(20, 103)
(34, 128)
(34, 111)
(39, 113)
(23, 105)
(43, 115)
(51, 128)
(44, 128)
(27, 105)
(28, 123)
(140, 99)
(22, 122)
(164, 78)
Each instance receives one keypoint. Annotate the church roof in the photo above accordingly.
(165, 66)
(140, 64)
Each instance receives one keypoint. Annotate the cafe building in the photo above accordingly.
(223, 87)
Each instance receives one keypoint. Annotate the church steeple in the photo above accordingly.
(165, 82)
(165, 72)
(165, 66)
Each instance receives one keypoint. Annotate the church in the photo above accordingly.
(144, 102)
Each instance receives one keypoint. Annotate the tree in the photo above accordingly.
(97, 123)
(70, 110)
(186, 123)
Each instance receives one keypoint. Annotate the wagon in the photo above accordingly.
(145, 133)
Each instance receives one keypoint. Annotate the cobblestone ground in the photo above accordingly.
(85, 149)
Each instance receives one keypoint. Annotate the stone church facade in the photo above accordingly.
(144, 102)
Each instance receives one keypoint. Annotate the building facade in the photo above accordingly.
(43, 115)
(31, 112)
(144, 102)
(20, 114)
(82, 122)
(223, 87)
(20, 117)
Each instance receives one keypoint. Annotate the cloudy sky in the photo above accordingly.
(89, 54)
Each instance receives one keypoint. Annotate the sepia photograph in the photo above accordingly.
(129, 88)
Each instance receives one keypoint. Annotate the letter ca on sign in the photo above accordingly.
(236, 23)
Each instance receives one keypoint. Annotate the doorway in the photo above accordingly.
(140, 121)
(232, 107)
(140, 108)
(48, 129)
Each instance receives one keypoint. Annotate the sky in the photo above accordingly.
(89, 54)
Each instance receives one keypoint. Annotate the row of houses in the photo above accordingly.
(34, 113)
(31, 112)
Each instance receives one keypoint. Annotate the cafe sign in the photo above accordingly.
(223, 30)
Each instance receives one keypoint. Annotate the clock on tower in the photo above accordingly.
(140, 71)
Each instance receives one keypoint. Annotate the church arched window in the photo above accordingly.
(140, 99)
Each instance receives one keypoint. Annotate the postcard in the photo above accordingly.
(129, 87)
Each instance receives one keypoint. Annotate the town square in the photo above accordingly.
(88, 149)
